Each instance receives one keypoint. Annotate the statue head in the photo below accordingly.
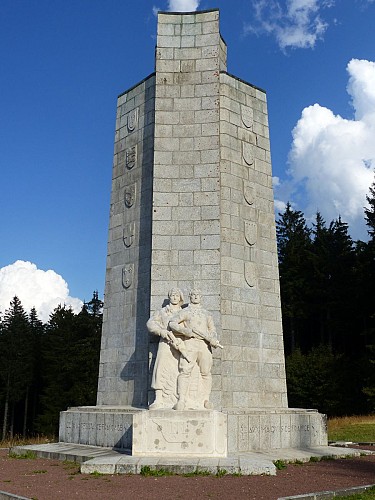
(195, 295)
(176, 296)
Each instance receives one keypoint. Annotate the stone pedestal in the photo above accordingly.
(110, 427)
(180, 433)
(275, 428)
(193, 433)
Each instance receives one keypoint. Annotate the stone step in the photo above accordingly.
(108, 461)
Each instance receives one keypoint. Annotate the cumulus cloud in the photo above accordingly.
(179, 6)
(44, 290)
(297, 25)
(183, 5)
(332, 159)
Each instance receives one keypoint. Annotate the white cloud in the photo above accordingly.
(332, 158)
(44, 290)
(297, 25)
(280, 206)
(183, 5)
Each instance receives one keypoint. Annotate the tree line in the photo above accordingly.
(44, 368)
(327, 284)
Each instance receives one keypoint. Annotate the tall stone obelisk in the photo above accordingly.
(192, 206)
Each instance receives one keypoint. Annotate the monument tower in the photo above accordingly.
(192, 207)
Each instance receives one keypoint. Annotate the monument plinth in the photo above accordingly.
(192, 207)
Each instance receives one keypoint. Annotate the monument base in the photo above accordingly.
(275, 428)
(193, 432)
(107, 426)
(190, 433)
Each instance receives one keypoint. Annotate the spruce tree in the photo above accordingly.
(71, 351)
(341, 288)
(16, 363)
(370, 212)
(294, 243)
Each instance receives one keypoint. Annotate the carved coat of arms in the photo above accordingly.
(247, 116)
(127, 275)
(132, 119)
(251, 232)
(131, 157)
(250, 274)
(128, 234)
(248, 153)
(129, 196)
(248, 193)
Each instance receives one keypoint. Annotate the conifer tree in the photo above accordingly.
(71, 351)
(370, 212)
(293, 238)
(16, 361)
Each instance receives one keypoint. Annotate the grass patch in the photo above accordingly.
(197, 473)
(28, 455)
(96, 474)
(69, 464)
(21, 441)
(366, 495)
(39, 471)
(314, 459)
(358, 429)
(221, 472)
(147, 471)
(279, 464)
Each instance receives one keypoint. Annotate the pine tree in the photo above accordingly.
(366, 288)
(71, 351)
(318, 296)
(58, 373)
(37, 329)
(16, 361)
(341, 289)
(370, 212)
(95, 306)
(293, 238)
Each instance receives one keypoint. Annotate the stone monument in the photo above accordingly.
(192, 208)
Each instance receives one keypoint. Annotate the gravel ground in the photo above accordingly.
(42, 479)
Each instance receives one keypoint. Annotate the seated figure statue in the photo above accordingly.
(164, 377)
(196, 327)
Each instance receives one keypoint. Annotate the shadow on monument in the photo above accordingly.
(136, 370)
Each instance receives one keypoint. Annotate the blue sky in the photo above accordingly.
(62, 65)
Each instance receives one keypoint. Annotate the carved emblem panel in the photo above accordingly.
(127, 275)
(128, 234)
(248, 193)
(131, 157)
(247, 116)
(251, 233)
(250, 274)
(130, 195)
(248, 153)
(132, 120)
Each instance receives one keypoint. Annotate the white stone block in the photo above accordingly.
(180, 433)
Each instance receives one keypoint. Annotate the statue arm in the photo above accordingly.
(177, 325)
(155, 325)
(210, 336)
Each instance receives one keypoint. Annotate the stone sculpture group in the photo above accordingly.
(182, 373)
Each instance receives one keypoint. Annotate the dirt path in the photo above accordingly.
(43, 479)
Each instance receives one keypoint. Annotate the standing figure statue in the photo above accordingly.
(196, 327)
(166, 365)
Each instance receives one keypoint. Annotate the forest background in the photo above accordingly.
(327, 285)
